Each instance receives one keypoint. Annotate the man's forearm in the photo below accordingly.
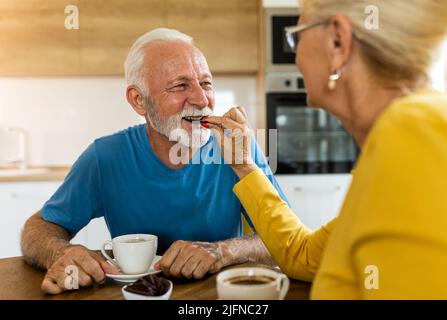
(43, 242)
(246, 249)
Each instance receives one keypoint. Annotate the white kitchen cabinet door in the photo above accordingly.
(315, 199)
(20, 200)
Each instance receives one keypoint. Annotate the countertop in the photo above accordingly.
(33, 174)
(20, 281)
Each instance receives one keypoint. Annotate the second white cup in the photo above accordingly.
(252, 283)
(133, 253)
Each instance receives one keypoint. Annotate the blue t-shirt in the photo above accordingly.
(119, 177)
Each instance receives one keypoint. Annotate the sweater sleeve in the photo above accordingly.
(296, 249)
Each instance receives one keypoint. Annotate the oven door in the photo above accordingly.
(309, 141)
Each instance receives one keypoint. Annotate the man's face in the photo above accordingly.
(180, 85)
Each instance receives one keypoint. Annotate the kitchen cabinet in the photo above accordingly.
(315, 199)
(109, 29)
(20, 200)
(36, 42)
(225, 31)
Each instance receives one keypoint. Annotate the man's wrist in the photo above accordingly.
(58, 249)
(231, 253)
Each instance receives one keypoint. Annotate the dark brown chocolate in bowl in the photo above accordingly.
(150, 285)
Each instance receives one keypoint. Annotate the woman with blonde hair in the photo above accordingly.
(390, 238)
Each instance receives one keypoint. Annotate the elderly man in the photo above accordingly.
(134, 180)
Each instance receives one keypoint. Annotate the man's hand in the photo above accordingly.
(90, 267)
(192, 259)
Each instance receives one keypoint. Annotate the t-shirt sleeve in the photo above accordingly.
(78, 199)
(260, 160)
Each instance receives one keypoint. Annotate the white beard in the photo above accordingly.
(172, 126)
(199, 137)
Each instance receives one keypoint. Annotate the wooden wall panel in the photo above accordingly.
(108, 31)
(34, 41)
(226, 31)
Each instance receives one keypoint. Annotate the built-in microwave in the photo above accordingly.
(279, 57)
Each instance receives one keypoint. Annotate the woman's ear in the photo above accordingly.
(136, 100)
(340, 42)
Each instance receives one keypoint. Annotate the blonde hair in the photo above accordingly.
(409, 36)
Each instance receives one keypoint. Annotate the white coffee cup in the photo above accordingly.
(254, 283)
(133, 253)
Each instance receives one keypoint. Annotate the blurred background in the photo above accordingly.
(62, 86)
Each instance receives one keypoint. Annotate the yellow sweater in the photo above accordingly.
(390, 239)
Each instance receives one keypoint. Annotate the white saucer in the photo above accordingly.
(128, 278)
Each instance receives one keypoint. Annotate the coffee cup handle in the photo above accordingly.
(104, 253)
(283, 286)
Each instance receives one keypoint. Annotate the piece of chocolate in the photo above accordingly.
(150, 285)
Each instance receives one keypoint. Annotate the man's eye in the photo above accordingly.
(180, 86)
(207, 84)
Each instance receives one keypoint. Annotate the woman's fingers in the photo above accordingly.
(227, 123)
(214, 120)
(241, 109)
(233, 134)
(236, 114)
(218, 133)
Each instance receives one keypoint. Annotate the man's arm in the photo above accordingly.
(246, 249)
(195, 259)
(46, 245)
(43, 242)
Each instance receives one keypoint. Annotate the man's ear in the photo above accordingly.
(136, 100)
(340, 42)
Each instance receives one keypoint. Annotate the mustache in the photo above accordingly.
(195, 112)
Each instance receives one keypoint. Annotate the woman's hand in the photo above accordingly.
(233, 134)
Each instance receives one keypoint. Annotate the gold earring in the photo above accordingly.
(333, 80)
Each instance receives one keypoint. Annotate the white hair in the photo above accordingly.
(134, 63)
